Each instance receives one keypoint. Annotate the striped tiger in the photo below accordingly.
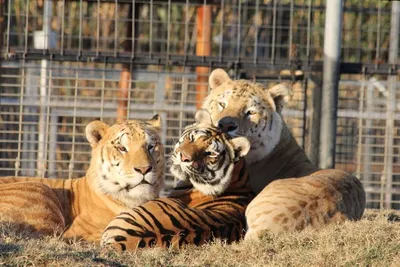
(208, 203)
(126, 170)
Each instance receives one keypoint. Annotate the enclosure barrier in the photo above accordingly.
(66, 62)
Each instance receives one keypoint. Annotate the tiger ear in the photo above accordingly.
(203, 116)
(95, 131)
(218, 77)
(155, 122)
(242, 145)
(280, 93)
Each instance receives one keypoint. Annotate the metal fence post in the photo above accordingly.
(391, 106)
(331, 75)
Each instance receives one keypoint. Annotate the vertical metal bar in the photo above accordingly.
(221, 31)
(367, 159)
(41, 164)
(103, 85)
(315, 122)
(291, 35)
(71, 161)
(360, 126)
(26, 27)
(116, 28)
(360, 31)
(256, 22)
(331, 75)
(378, 35)
(53, 147)
(305, 104)
(21, 105)
(151, 30)
(273, 33)
(46, 143)
(8, 27)
(98, 29)
(169, 27)
(128, 106)
(187, 20)
(62, 28)
(239, 30)
(394, 33)
(1, 27)
(308, 54)
(133, 30)
(80, 27)
(391, 102)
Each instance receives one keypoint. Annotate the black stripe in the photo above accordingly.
(140, 215)
(187, 214)
(157, 223)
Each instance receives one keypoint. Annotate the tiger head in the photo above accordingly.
(244, 108)
(206, 157)
(127, 160)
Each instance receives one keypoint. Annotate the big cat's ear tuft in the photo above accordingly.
(218, 77)
(95, 131)
(156, 122)
(280, 94)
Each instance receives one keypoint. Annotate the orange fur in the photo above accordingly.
(316, 197)
(126, 170)
(190, 215)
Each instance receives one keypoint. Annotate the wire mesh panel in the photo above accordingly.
(43, 122)
(368, 136)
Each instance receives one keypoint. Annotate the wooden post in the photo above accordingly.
(125, 79)
(203, 48)
(123, 92)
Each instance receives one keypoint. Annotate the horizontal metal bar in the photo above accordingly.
(249, 4)
(195, 61)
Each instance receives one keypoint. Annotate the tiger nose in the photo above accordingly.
(144, 170)
(227, 124)
(185, 158)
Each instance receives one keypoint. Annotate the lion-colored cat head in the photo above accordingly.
(127, 160)
(244, 108)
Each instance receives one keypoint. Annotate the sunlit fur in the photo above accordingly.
(126, 170)
(315, 198)
(195, 212)
(120, 178)
(256, 111)
(325, 197)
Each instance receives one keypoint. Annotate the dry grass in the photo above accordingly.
(373, 241)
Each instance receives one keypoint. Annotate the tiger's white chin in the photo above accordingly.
(138, 196)
(211, 190)
(215, 189)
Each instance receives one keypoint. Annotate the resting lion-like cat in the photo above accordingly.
(126, 170)
(316, 197)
